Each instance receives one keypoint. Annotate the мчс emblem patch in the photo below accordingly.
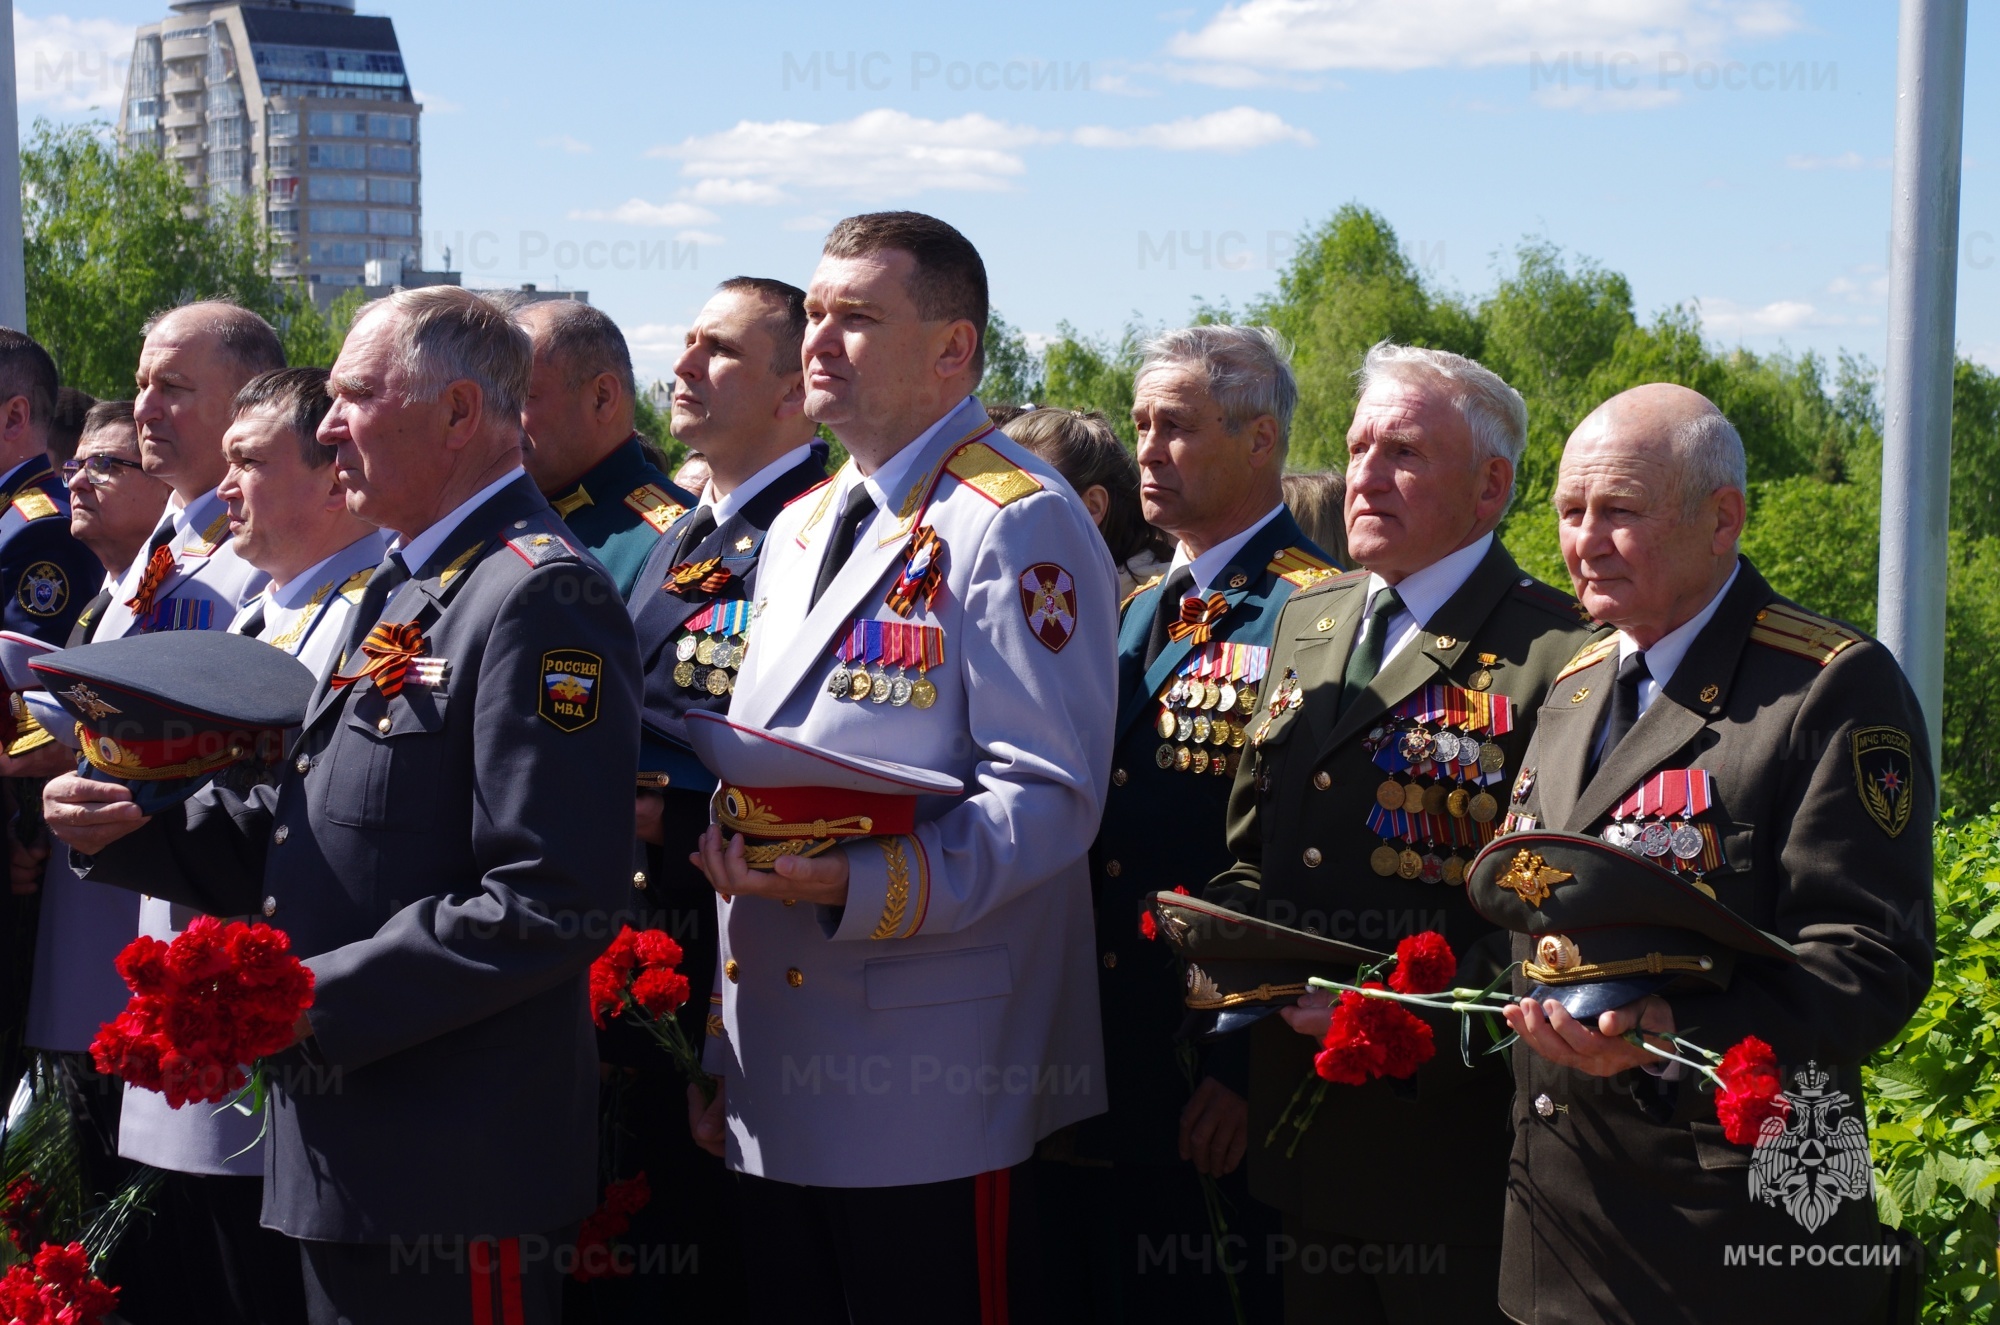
(1885, 776)
(1048, 597)
(44, 589)
(568, 694)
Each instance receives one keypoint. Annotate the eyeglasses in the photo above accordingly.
(101, 468)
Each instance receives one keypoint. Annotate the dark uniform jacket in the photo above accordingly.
(1422, 1160)
(1163, 828)
(1625, 1199)
(47, 577)
(446, 861)
(620, 508)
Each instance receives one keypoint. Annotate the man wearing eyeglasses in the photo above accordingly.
(113, 502)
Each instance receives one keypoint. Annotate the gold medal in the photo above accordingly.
(1182, 758)
(1199, 729)
(922, 693)
(1435, 797)
(1481, 680)
(1409, 865)
(1246, 700)
(1200, 758)
(1484, 807)
(717, 682)
(1383, 860)
(1236, 736)
(1413, 798)
(859, 687)
(704, 652)
(878, 691)
(1492, 759)
(1218, 731)
(1211, 694)
(1164, 756)
(1454, 871)
(1166, 725)
(1458, 802)
(1390, 795)
(1219, 765)
(684, 674)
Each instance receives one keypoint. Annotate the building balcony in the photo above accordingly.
(193, 47)
(183, 83)
(185, 151)
(181, 119)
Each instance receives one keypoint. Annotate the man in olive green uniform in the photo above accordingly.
(1397, 701)
(1778, 761)
(581, 448)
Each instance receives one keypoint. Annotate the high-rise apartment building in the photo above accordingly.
(305, 105)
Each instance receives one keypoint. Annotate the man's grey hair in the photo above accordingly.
(1494, 412)
(1248, 371)
(1707, 454)
(444, 334)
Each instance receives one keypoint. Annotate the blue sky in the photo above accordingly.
(1120, 161)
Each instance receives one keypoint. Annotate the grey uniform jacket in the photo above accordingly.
(446, 860)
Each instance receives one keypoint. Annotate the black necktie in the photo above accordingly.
(1369, 645)
(698, 528)
(1624, 710)
(1166, 612)
(841, 543)
(89, 619)
(382, 582)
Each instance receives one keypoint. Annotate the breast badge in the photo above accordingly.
(568, 695)
(44, 589)
(1048, 599)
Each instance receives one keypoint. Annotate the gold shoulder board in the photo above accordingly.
(1127, 601)
(990, 474)
(36, 505)
(351, 589)
(1592, 655)
(1300, 568)
(1809, 636)
(653, 504)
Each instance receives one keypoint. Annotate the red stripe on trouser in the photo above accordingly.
(510, 1282)
(480, 1267)
(989, 1215)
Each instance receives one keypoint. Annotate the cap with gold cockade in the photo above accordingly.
(1241, 968)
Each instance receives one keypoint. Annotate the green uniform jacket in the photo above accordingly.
(1422, 1160)
(620, 508)
(1625, 1200)
(1163, 828)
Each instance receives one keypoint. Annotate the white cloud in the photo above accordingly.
(1845, 161)
(654, 347)
(435, 105)
(1237, 129)
(1315, 35)
(574, 146)
(637, 211)
(707, 237)
(808, 223)
(70, 64)
(1729, 318)
(733, 190)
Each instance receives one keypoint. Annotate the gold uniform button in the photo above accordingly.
(1110, 961)
(1324, 624)
(280, 833)
(730, 968)
(1117, 777)
(1322, 780)
(639, 879)
(1113, 869)
(1313, 858)
(795, 977)
(384, 724)
(270, 906)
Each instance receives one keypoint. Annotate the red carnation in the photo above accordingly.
(21, 1210)
(1752, 1090)
(636, 975)
(660, 993)
(56, 1288)
(1373, 1037)
(143, 966)
(622, 1200)
(1424, 964)
(655, 947)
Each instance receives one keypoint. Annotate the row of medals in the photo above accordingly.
(1656, 838)
(1443, 747)
(720, 656)
(1200, 713)
(858, 684)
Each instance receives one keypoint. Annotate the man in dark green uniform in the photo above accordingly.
(1131, 1237)
(582, 450)
(1397, 699)
(1776, 761)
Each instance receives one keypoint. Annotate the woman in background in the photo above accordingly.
(1085, 451)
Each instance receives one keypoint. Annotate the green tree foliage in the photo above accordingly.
(1013, 371)
(1080, 372)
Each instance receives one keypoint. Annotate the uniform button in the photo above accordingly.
(384, 724)
(730, 968)
(639, 879)
(304, 764)
(270, 906)
(280, 833)
(1313, 858)
(1113, 869)
(1117, 777)
(523, 524)
(1322, 780)
(795, 977)
(1545, 1106)
(1110, 961)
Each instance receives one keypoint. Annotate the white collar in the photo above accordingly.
(885, 485)
(1210, 564)
(1664, 658)
(300, 587)
(419, 549)
(1425, 592)
(202, 509)
(746, 492)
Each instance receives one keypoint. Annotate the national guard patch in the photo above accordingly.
(1885, 776)
(1048, 597)
(568, 695)
(44, 589)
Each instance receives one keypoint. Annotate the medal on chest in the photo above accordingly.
(1441, 753)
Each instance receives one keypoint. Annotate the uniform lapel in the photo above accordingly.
(1563, 735)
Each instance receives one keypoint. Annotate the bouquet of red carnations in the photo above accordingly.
(55, 1288)
(595, 1257)
(639, 975)
(222, 995)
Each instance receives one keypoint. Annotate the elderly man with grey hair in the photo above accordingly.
(1400, 695)
(1774, 761)
(1212, 406)
(444, 849)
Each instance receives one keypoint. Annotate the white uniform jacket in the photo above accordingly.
(946, 1018)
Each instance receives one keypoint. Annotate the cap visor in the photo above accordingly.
(1585, 1002)
(1215, 1024)
(150, 797)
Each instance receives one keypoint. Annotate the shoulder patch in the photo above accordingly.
(990, 474)
(44, 589)
(355, 585)
(535, 549)
(1885, 776)
(567, 698)
(36, 505)
(654, 506)
(1127, 600)
(1048, 600)
(1794, 630)
(1593, 653)
(1300, 568)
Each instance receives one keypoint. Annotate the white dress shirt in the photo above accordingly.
(1210, 564)
(418, 550)
(1664, 658)
(746, 492)
(1424, 593)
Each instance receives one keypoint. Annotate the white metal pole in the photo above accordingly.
(13, 276)
(1923, 300)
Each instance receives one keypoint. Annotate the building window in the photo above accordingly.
(337, 156)
(225, 133)
(337, 188)
(391, 158)
(284, 189)
(285, 222)
(392, 190)
(392, 223)
(282, 124)
(390, 126)
(339, 220)
(336, 254)
(283, 158)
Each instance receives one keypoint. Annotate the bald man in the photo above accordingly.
(1777, 761)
